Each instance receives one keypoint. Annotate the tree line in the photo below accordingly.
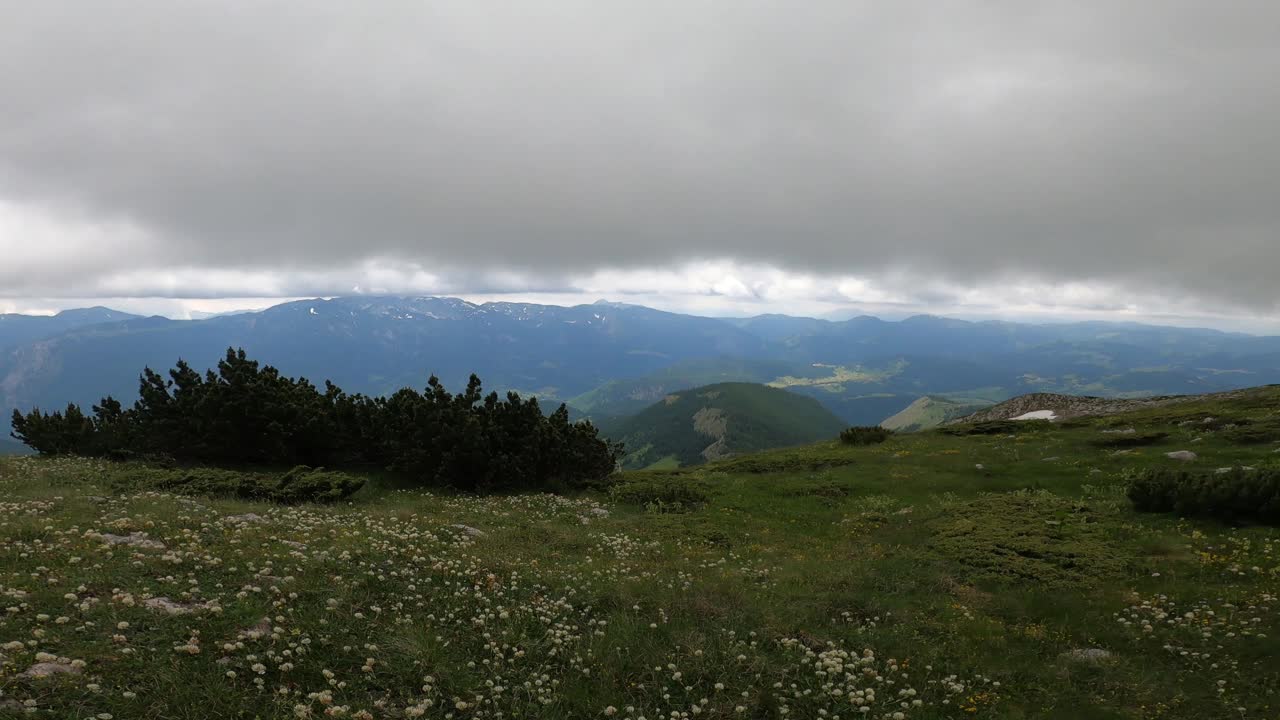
(245, 413)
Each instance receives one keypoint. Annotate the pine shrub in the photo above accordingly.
(1234, 496)
(865, 435)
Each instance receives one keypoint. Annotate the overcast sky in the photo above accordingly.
(1074, 159)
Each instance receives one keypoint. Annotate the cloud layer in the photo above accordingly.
(926, 150)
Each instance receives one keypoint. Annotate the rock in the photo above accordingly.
(293, 544)
(96, 498)
(245, 518)
(1095, 471)
(1122, 452)
(166, 605)
(133, 539)
(1222, 471)
(1207, 420)
(1050, 459)
(470, 531)
(1117, 431)
(1091, 655)
(599, 512)
(262, 628)
(1198, 440)
(46, 669)
(1183, 455)
(979, 466)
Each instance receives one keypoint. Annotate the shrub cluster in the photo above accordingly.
(865, 435)
(997, 427)
(244, 413)
(300, 484)
(1118, 441)
(1250, 434)
(1232, 496)
(662, 492)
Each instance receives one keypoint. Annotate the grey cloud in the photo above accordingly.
(1126, 142)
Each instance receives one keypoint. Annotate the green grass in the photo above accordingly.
(759, 582)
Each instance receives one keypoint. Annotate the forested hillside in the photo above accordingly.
(719, 421)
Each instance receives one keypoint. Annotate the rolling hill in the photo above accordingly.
(718, 421)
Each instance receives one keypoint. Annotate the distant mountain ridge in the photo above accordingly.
(18, 329)
(612, 359)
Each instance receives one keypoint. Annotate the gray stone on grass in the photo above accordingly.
(1089, 655)
(133, 539)
(470, 531)
(245, 518)
(165, 605)
(1183, 455)
(47, 669)
(261, 629)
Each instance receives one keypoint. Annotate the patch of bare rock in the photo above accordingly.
(51, 668)
(170, 607)
(133, 539)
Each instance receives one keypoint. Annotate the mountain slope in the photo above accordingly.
(931, 411)
(716, 421)
(1074, 406)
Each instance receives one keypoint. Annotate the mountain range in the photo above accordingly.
(610, 360)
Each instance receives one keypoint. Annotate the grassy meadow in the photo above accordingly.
(935, 575)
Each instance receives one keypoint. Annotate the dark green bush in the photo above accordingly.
(997, 427)
(1231, 496)
(301, 484)
(1119, 441)
(662, 492)
(865, 435)
(244, 414)
(1250, 434)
